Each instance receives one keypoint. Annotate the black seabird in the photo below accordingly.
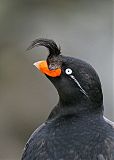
(76, 128)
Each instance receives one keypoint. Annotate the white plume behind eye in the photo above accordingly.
(68, 71)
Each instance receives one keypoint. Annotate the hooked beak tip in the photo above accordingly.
(36, 64)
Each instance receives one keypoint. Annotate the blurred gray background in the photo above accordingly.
(83, 28)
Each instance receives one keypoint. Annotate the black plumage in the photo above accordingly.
(50, 44)
(76, 128)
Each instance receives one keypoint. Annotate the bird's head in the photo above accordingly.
(75, 80)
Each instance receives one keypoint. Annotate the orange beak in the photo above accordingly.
(43, 67)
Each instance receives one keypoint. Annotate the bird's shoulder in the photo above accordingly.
(36, 144)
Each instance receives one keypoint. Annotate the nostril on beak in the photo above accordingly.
(52, 67)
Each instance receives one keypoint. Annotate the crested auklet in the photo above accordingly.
(76, 128)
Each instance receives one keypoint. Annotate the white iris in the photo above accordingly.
(68, 71)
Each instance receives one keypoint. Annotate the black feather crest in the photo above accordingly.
(48, 43)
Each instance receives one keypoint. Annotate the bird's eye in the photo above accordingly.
(68, 71)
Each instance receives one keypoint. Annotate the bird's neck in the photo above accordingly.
(78, 110)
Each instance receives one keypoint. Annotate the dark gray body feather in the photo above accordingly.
(72, 138)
